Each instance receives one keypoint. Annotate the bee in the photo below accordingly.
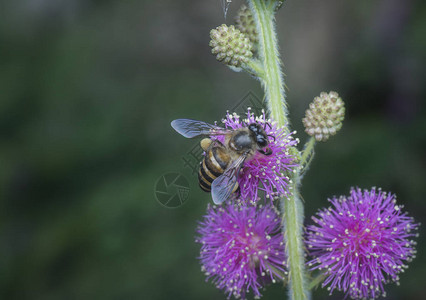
(222, 162)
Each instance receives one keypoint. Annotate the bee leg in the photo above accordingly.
(270, 135)
(266, 152)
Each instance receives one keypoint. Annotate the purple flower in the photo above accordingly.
(268, 173)
(361, 242)
(242, 248)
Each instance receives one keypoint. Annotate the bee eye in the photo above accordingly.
(261, 141)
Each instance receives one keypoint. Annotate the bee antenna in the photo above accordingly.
(272, 136)
(269, 125)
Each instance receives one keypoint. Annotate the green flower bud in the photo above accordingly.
(245, 23)
(324, 116)
(230, 45)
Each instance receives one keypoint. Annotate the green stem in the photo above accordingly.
(255, 68)
(307, 156)
(273, 84)
(316, 281)
(272, 79)
(293, 226)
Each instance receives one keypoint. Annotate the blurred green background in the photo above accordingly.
(88, 90)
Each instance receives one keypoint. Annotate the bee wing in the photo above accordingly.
(223, 186)
(193, 128)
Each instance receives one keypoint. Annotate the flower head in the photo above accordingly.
(230, 45)
(324, 116)
(268, 173)
(362, 242)
(242, 248)
(245, 23)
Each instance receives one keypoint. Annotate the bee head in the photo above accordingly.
(259, 134)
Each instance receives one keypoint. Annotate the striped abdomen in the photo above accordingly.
(212, 166)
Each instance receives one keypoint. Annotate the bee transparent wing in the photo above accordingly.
(223, 186)
(193, 128)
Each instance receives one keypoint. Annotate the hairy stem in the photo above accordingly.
(316, 281)
(273, 84)
(272, 79)
(293, 226)
(255, 68)
(307, 156)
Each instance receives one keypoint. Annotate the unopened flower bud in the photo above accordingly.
(245, 23)
(230, 45)
(324, 116)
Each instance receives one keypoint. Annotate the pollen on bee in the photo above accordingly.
(205, 143)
